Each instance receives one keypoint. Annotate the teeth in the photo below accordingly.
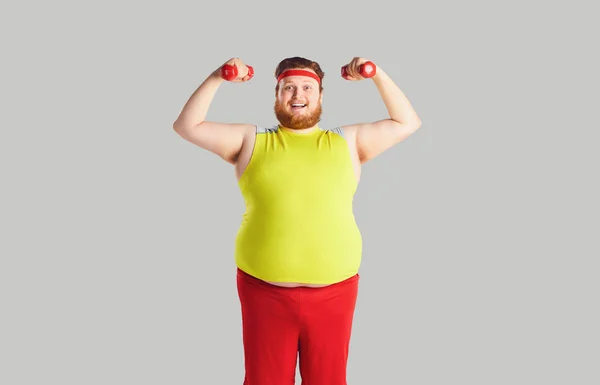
(298, 105)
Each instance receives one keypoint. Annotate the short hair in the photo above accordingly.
(299, 62)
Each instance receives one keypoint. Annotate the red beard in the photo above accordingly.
(297, 121)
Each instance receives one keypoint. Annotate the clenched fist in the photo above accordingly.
(234, 70)
(359, 69)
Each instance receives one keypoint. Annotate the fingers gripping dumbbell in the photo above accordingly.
(366, 70)
(230, 72)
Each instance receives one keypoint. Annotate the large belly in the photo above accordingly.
(299, 249)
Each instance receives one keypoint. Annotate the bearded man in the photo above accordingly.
(298, 249)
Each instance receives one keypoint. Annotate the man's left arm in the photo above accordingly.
(372, 139)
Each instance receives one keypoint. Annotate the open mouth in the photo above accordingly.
(298, 106)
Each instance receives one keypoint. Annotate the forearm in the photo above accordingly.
(397, 104)
(195, 110)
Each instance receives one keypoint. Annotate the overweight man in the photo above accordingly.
(298, 248)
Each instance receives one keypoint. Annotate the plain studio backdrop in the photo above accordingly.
(480, 262)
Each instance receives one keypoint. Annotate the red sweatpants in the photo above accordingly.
(281, 325)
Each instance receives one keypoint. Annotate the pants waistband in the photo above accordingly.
(253, 279)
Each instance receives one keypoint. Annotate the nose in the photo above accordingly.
(298, 91)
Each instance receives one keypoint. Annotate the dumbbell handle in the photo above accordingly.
(367, 70)
(230, 72)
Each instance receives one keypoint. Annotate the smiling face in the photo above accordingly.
(298, 102)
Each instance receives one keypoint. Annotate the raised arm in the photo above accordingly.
(372, 139)
(222, 139)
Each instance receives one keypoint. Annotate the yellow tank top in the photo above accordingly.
(299, 224)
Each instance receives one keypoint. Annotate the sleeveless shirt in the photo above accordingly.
(299, 224)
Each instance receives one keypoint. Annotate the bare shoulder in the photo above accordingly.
(350, 131)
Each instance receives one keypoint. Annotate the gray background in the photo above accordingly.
(480, 262)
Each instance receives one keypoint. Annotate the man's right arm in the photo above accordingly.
(222, 139)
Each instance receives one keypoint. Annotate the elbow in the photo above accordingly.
(181, 127)
(410, 125)
(181, 130)
(414, 123)
(417, 123)
(416, 120)
(177, 126)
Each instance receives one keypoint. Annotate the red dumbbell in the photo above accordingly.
(367, 70)
(230, 72)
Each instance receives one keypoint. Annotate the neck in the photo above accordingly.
(301, 130)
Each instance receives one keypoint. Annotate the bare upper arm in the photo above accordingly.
(372, 139)
(222, 139)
